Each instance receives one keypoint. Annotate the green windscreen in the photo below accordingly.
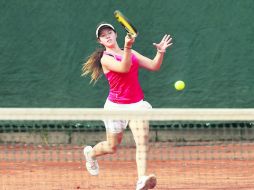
(44, 44)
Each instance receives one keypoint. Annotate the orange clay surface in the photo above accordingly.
(177, 167)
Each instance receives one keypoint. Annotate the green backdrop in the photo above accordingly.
(44, 43)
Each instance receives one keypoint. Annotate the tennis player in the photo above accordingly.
(120, 66)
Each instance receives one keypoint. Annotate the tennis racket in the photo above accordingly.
(124, 21)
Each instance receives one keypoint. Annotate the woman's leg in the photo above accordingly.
(140, 131)
(107, 147)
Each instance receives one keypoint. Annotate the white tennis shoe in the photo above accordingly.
(91, 164)
(146, 182)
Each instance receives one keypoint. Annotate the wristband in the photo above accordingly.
(161, 51)
(127, 47)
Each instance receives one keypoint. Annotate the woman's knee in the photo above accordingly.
(113, 141)
(112, 148)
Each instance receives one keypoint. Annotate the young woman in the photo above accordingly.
(120, 66)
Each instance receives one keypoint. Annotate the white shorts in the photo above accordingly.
(117, 126)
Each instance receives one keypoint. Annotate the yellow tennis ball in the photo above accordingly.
(179, 85)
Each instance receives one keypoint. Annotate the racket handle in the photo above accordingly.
(131, 35)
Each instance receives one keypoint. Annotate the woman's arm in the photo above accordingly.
(110, 64)
(155, 63)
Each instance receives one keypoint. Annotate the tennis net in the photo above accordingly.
(42, 148)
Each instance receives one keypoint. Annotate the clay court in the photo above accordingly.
(196, 166)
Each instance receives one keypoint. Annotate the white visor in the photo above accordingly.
(103, 25)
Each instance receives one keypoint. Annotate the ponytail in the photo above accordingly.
(93, 65)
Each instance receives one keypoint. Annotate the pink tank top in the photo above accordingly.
(124, 88)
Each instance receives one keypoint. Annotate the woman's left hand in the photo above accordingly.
(164, 44)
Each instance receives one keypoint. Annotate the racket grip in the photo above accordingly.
(131, 35)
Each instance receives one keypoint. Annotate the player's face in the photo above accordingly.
(107, 37)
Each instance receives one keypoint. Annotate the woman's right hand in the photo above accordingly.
(129, 41)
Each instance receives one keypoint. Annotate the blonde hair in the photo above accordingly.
(93, 65)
